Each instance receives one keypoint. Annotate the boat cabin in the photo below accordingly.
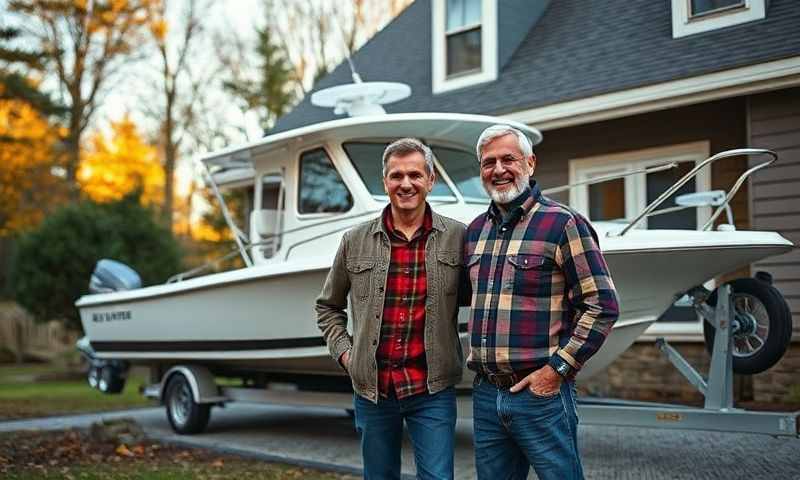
(305, 186)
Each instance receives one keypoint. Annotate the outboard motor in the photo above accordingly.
(113, 276)
(108, 376)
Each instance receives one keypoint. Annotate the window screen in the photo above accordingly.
(321, 188)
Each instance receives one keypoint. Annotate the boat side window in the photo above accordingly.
(367, 160)
(321, 187)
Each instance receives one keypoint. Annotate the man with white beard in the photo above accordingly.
(542, 304)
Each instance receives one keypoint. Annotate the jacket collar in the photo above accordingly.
(437, 224)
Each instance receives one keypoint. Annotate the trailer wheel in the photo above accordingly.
(765, 326)
(93, 377)
(184, 414)
(109, 380)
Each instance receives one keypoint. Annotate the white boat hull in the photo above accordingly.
(262, 318)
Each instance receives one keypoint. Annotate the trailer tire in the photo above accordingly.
(93, 377)
(184, 414)
(764, 304)
(110, 380)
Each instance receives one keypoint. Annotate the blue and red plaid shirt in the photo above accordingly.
(540, 287)
(402, 365)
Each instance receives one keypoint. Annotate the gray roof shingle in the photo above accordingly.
(577, 49)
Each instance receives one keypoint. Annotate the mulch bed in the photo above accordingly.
(119, 450)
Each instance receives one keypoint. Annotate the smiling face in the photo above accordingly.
(407, 182)
(505, 170)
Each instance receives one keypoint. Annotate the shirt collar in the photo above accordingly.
(388, 224)
(517, 208)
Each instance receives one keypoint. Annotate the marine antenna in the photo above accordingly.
(358, 98)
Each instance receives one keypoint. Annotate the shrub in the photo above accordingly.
(53, 264)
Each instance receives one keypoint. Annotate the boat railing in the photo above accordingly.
(651, 208)
(244, 246)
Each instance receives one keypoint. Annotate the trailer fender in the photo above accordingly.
(201, 381)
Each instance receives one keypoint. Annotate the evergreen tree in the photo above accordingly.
(15, 85)
(271, 94)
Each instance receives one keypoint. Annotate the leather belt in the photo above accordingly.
(505, 380)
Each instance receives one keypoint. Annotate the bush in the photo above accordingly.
(53, 264)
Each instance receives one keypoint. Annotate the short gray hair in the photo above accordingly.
(496, 131)
(405, 146)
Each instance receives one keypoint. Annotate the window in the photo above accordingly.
(464, 43)
(697, 16)
(321, 188)
(607, 200)
(702, 7)
(367, 160)
(463, 36)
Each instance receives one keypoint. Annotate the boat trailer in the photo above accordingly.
(199, 392)
(718, 412)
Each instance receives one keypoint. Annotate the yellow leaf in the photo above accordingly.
(123, 451)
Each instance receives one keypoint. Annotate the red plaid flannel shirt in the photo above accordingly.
(401, 352)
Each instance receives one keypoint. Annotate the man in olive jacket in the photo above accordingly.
(402, 272)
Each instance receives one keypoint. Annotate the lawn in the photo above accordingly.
(41, 390)
(78, 455)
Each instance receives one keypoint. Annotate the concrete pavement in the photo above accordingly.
(324, 438)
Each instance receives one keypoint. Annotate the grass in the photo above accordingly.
(24, 393)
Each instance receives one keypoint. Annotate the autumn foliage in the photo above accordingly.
(28, 161)
(117, 164)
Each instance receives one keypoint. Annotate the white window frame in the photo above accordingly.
(683, 23)
(636, 200)
(488, 72)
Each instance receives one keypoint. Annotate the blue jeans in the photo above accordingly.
(514, 431)
(431, 421)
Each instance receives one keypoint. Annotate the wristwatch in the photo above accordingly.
(561, 366)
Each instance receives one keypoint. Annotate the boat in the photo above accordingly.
(309, 185)
(260, 318)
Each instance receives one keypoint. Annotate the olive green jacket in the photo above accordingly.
(360, 269)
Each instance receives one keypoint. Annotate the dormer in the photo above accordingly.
(696, 16)
(469, 47)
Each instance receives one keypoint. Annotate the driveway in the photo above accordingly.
(324, 438)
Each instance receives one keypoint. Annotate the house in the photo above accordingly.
(615, 85)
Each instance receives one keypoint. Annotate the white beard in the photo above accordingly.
(507, 196)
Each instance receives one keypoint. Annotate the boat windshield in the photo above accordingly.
(459, 165)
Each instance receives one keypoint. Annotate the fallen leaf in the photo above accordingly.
(123, 450)
(218, 463)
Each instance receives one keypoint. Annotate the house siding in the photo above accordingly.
(774, 123)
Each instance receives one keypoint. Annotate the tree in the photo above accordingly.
(16, 85)
(116, 166)
(85, 48)
(272, 92)
(28, 187)
(316, 34)
(178, 86)
(53, 263)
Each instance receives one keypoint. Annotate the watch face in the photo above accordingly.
(563, 369)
